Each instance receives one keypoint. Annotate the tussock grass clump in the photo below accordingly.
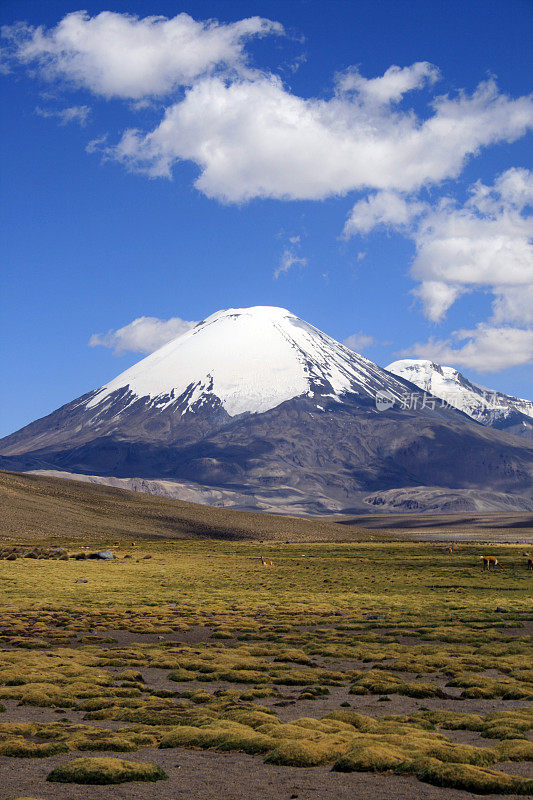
(253, 717)
(40, 740)
(442, 719)
(499, 725)
(421, 689)
(460, 753)
(455, 766)
(257, 692)
(152, 716)
(199, 697)
(181, 675)
(223, 735)
(306, 742)
(117, 744)
(370, 758)
(508, 724)
(18, 747)
(473, 779)
(131, 675)
(359, 721)
(190, 736)
(312, 692)
(99, 771)
(475, 685)
(515, 750)
(391, 747)
(303, 753)
(379, 682)
(95, 704)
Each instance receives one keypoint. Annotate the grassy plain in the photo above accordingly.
(369, 657)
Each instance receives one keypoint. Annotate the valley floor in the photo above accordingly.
(383, 669)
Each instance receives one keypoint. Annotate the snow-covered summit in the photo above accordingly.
(251, 359)
(486, 406)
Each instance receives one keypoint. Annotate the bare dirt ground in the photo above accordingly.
(197, 775)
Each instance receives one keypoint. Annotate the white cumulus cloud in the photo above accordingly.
(437, 297)
(484, 243)
(253, 138)
(121, 55)
(390, 87)
(389, 209)
(248, 133)
(486, 348)
(143, 335)
(513, 304)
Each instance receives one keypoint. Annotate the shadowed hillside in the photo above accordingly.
(39, 507)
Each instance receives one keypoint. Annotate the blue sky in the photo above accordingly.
(283, 174)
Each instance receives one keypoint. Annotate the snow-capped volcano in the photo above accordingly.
(251, 360)
(256, 404)
(486, 406)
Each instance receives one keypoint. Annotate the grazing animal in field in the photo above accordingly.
(491, 560)
(266, 562)
(530, 563)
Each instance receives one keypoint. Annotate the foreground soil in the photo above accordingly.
(224, 776)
